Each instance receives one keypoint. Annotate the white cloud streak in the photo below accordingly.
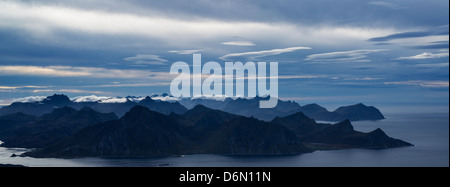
(258, 54)
(185, 52)
(384, 4)
(438, 65)
(343, 56)
(7, 88)
(69, 91)
(69, 71)
(421, 83)
(362, 79)
(425, 56)
(239, 43)
(146, 59)
(30, 99)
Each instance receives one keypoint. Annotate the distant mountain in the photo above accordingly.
(356, 112)
(249, 136)
(320, 113)
(140, 133)
(300, 124)
(167, 104)
(117, 108)
(144, 133)
(359, 112)
(250, 108)
(201, 130)
(342, 135)
(48, 129)
(163, 107)
(207, 102)
(37, 108)
(57, 101)
(246, 107)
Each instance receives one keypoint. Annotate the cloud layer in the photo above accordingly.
(258, 54)
(425, 56)
(343, 56)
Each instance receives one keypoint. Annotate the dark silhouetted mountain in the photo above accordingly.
(118, 108)
(243, 107)
(250, 108)
(163, 107)
(300, 124)
(200, 122)
(51, 128)
(338, 136)
(354, 113)
(342, 135)
(360, 112)
(318, 112)
(57, 100)
(144, 133)
(220, 132)
(201, 113)
(210, 103)
(140, 133)
(36, 108)
(249, 136)
(246, 107)
(15, 120)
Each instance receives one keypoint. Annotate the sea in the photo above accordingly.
(429, 132)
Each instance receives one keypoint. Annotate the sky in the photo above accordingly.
(382, 53)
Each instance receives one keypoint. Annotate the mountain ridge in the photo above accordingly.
(142, 132)
(239, 106)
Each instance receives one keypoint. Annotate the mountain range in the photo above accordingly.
(141, 132)
(336, 136)
(240, 106)
(56, 101)
(145, 133)
(250, 108)
(26, 131)
(154, 128)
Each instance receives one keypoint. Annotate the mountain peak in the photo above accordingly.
(147, 99)
(344, 126)
(57, 100)
(360, 112)
(139, 109)
(199, 109)
(314, 106)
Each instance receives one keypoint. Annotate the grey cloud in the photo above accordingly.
(294, 11)
(186, 52)
(443, 30)
(254, 55)
(434, 45)
(343, 56)
(147, 59)
(385, 4)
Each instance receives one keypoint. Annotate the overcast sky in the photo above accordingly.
(329, 51)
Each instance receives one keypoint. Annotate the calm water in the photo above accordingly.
(429, 132)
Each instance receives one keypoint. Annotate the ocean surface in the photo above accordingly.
(428, 132)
